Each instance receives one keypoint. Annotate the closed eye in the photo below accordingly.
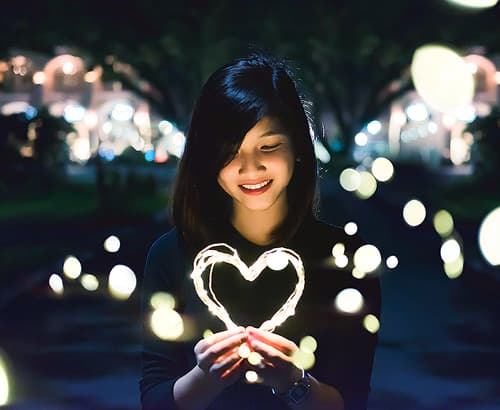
(270, 147)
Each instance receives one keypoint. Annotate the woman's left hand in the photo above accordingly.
(278, 371)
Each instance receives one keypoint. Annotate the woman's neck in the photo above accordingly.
(258, 226)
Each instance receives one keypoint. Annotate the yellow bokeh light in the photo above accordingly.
(351, 228)
(367, 187)
(341, 261)
(162, 299)
(338, 249)
(207, 333)
(361, 139)
(39, 78)
(414, 212)
(167, 324)
(4, 383)
(251, 376)
(454, 269)
(121, 282)
(56, 284)
(255, 358)
(350, 179)
(308, 344)
(72, 267)
(442, 78)
(303, 359)
(392, 262)
(112, 244)
(367, 258)
(89, 282)
(371, 323)
(489, 237)
(382, 169)
(277, 261)
(357, 273)
(450, 250)
(244, 351)
(349, 300)
(443, 223)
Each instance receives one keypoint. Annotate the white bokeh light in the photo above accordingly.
(167, 324)
(4, 383)
(112, 244)
(350, 179)
(351, 228)
(367, 258)
(392, 262)
(56, 284)
(72, 267)
(382, 169)
(489, 237)
(277, 261)
(122, 281)
(450, 250)
(89, 282)
(349, 301)
(414, 212)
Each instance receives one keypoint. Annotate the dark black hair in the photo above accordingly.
(232, 101)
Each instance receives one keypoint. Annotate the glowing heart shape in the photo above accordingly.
(275, 259)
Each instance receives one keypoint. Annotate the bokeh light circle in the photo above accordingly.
(112, 244)
(455, 268)
(450, 250)
(442, 78)
(303, 359)
(367, 258)
(368, 185)
(414, 212)
(122, 281)
(371, 323)
(167, 324)
(72, 267)
(277, 261)
(308, 344)
(382, 169)
(4, 383)
(338, 249)
(89, 282)
(162, 299)
(349, 300)
(392, 262)
(350, 179)
(351, 228)
(489, 237)
(251, 376)
(443, 222)
(56, 284)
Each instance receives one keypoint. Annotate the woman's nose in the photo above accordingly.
(250, 163)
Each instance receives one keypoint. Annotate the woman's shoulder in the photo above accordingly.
(165, 245)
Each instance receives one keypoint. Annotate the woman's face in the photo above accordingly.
(257, 177)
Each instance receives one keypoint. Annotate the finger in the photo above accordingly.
(232, 369)
(222, 347)
(271, 355)
(278, 342)
(205, 343)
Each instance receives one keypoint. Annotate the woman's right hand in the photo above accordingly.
(217, 355)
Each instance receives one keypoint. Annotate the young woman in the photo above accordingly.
(247, 178)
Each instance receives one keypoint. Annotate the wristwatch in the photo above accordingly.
(298, 391)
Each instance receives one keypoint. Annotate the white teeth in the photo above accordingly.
(256, 186)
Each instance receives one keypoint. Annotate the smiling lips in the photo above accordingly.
(256, 189)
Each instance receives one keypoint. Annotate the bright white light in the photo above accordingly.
(308, 344)
(303, 359)
(244, 351)
(442, 78)
(56, 284)
(432, 127)
(167, 324)
(277, 261)
(89, 282)
(15, 107)
(450, 250)
(417, 112)
(338, 249)
(162, 299)
(489, 237)
(367, 258)
(255, 358)
(350, 228)
(459, 150)
(122, 281)
(350, 179)
(341, 261)
(349, 301)
(476, 4)
(4, 383)
(361, 139)
(374, 127)
(467, 113)
(112, 244)
(382, 169)
(107, 127)
(91, 119)
(39, 78)
(251, 376)
(122, 112)
(68, 68)
(81, 149)
(368, 185)
(414, 212)
(74, 113)
(391, 262)
(175, 144)
(321, 152)
(165, 127)
(72, 267)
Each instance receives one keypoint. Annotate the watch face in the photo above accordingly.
(298, 392)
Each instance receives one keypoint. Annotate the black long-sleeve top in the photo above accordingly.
(344, 356)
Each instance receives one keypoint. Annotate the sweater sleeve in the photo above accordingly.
(163, 362)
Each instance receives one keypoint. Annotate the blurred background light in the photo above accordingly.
(382, 169)
(74, 113)
(338, 249)
(341, 261)
(450, 250)
(350, 179)
(350, 228)
(165, 127)
(454, 269)
(349, 301)
(489, 237)
(303, 359)
(167, 324)
(162, 299)
(476, 4)
(417, 112)
(56, 284)
(414, 212)
(122, 281)
(112, 244)
(308, 344)
(361, 139)
(443, 223)
(367, 258)
(374, 127)
(72, 267)
(4, 383)
(442, 78)
(251, 376)
(371, 323)
(392, 262)
(367, 187)
(122, 112)
(277, 261)
(39, 78)
(89, 282)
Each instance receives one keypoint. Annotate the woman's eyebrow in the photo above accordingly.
(271, 132)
